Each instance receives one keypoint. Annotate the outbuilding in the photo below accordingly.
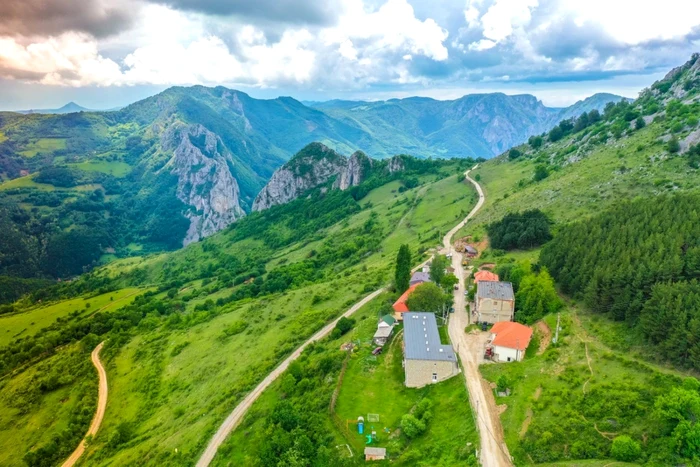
(470, 251)
(419, 277)
(484, 275)
(509, 341)
(426, 359)
(400, 306)
(375, 454)
(384, 329)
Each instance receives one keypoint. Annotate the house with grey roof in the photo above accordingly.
(419, 277)
(426, 359)
(494, 301)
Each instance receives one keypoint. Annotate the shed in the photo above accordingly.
(375, 454)
(470, 251)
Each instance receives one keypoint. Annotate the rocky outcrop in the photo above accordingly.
(359, 166)
(205, 182)
(396, 164)
(313, 166)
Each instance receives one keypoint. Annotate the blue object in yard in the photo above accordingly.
(360, 425)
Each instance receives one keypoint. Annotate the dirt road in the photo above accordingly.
(101, 406)
(240, 410)
(494, 452)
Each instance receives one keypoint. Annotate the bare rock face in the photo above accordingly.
(205, 182)
(356, 171)
(314, 165)
(396, 164)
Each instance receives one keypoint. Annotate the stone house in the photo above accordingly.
(426, 360)
(494, 301)
(375, 454)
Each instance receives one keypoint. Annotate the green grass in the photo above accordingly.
(582, 187)
(25, 182)
(27, 323)
(546, 390)
(374, 384)
(114, 168)
(29, 417)
(43, 145)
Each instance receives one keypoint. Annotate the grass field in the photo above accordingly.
(25, 182)
(582, 393)
(375, 385)
(114, 168)
(174, 387)
(43, 145)
(31, 417)
(28, 322)
(624, 169)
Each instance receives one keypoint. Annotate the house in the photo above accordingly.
(470, 251)
(426, 360)
(509, 341)
(419, 277)
(484, 275)
(400, 305)
(494, 301)
(375, 454)
(384, 329)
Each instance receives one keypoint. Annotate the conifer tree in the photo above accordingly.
(403, 269)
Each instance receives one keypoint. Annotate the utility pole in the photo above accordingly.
(556, 332)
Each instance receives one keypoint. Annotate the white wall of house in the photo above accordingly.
(504, 353)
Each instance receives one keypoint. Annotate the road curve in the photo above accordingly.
(236, 416)
(101, 407)
(494, 452)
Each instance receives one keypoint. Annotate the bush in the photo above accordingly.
(625, 449)
(541, 172)
(514, 154)
(673, 145)
(412, 426)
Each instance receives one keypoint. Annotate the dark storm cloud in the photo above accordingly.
(51, 17)
(317, 12)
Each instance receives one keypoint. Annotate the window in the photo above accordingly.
(434, 377)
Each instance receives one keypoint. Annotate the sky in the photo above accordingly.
(108, 53)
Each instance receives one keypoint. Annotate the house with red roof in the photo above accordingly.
(400, 306)
(484, 275)
(508, 341)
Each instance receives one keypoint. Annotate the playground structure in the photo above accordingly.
(371, 418)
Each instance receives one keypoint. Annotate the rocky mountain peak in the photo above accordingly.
(205, 182)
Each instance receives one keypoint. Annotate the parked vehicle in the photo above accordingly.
(377, 351)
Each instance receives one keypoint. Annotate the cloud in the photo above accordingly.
(365, 46)
(285, 11)
(47, 18)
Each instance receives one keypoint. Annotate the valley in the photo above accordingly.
(223, 263)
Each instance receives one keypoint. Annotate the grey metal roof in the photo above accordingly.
(422, 340)
(375, 451)
(383, 332)
(496, 290)
(470, 249)
(420, 276)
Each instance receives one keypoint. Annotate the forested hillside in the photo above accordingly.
(638, 262)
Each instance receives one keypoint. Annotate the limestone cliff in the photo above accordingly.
(356, 171)
(314, 165)
(205, 182)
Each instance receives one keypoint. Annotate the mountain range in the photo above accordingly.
(187, 162)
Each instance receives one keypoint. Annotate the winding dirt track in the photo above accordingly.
(236, 416)
(494, 452)
(101, 406)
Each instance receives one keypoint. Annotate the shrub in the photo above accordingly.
(412, 426)
(625, 449)
(673, 145)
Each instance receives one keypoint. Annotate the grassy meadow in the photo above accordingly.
(28, 321)
(372, 384)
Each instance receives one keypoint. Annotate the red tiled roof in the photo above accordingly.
(400, 304)
(511, 335)
(485, 276)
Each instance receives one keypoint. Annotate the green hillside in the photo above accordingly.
(223, 312)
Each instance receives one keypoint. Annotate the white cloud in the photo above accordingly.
(483, 44)
(167, 46)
